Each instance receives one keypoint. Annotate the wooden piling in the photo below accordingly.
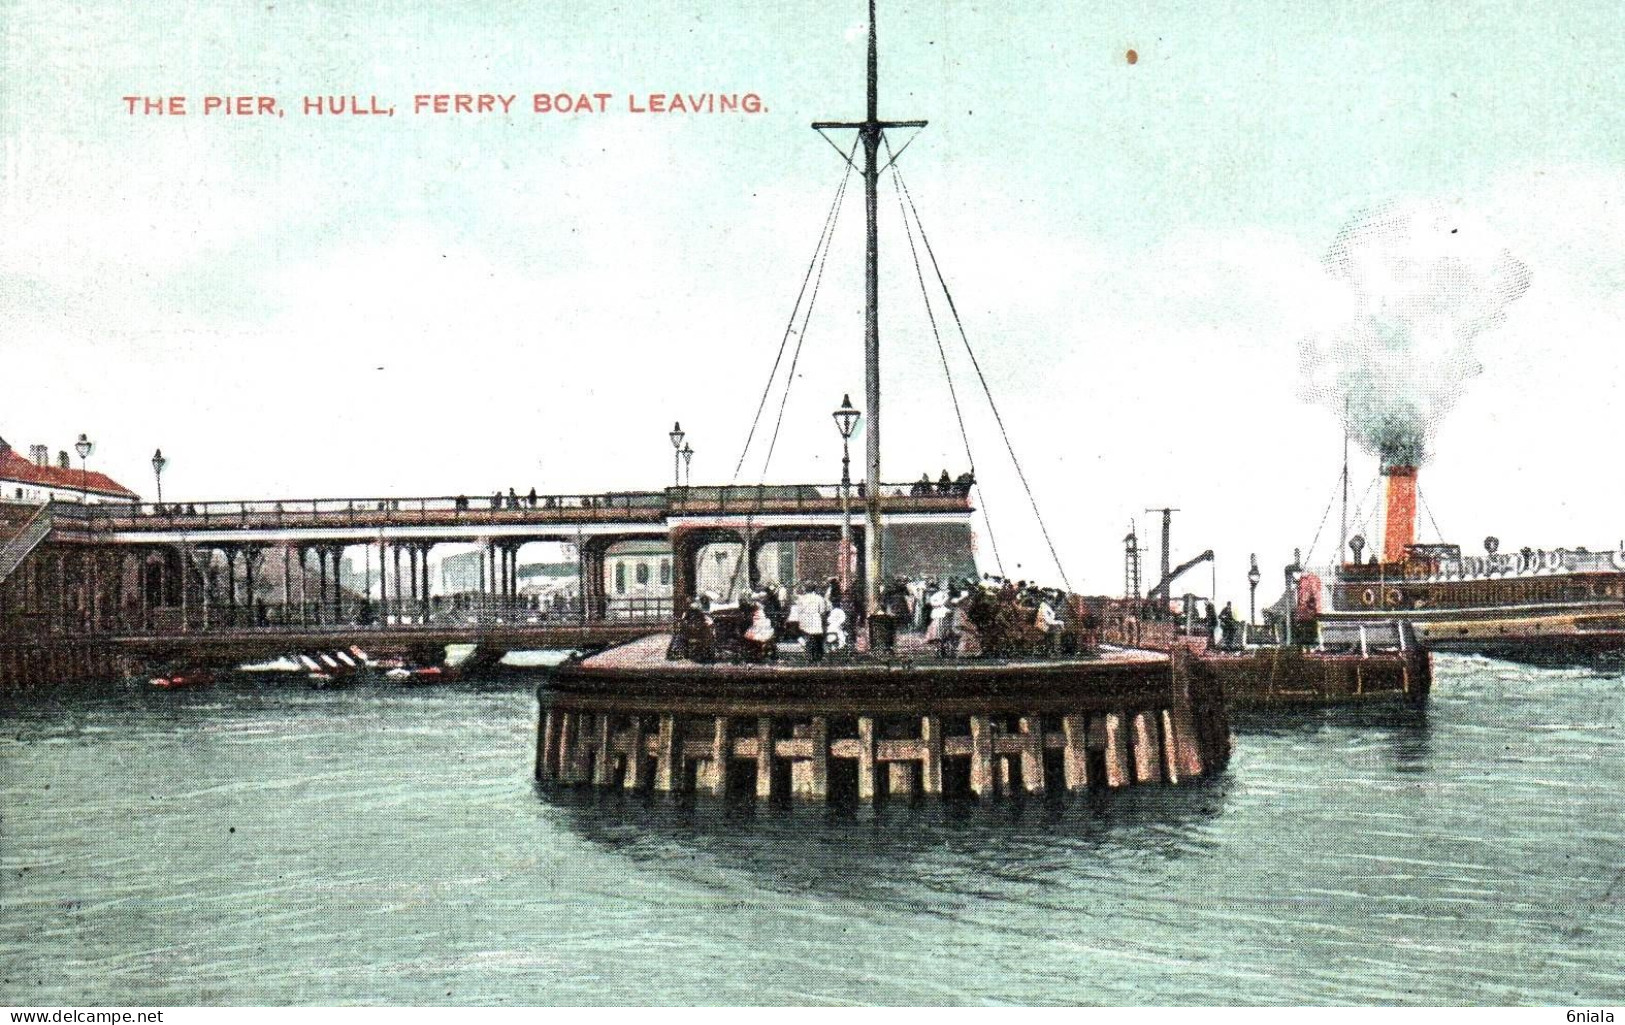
(603, 767)
(668, 756)
(1117, 768)
(1032, 753)
(721, 755)
(764, 757)
(1182, 736)
(818, 763)
(866, 758)
(637, 760)
(565, 772)
(1075, 756)
(981, 756)
(584, 748)
(1147, 748)
(931, 764)
(547, 746)
(1170, 757)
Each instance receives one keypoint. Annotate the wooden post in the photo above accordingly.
(1147, 748)
(931, 734)
(1170, 757)
(567, 746)
(981, 756)
(1117, 773)
(1032, 753)
(546, 745)
(637, 762)
(668, 759)
(818, 769)
(866, 758)
(1182, 738)
(764, 758)
(1075, 759)
(721, 755)
(584, 748)
(603, 767)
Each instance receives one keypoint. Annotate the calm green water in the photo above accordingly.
(252, 844)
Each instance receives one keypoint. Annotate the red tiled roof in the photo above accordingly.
(14, 467)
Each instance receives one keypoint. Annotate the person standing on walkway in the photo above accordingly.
(809, 612)
(1227, 626)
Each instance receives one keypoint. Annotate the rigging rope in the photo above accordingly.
(829, 222)
(1358, 520)
(987, 391)
(942, 354)
(1309, 553)
(801, 336)
(1437, 533)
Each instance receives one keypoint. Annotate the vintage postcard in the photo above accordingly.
(809, 502)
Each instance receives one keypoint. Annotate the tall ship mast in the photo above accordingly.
(870, 131)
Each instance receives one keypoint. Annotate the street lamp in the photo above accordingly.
(846, 421)
(84, 446)
(158, 464)
(676, 437)
(1253, 577)
(688, 460)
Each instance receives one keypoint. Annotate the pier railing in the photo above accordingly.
(1526, 563)
(455, 612)
(499, 509)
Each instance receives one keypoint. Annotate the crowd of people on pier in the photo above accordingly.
(948, 617)
(944, 485)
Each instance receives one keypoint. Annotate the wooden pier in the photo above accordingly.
(873, 730)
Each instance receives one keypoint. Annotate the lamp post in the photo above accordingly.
(1253, 577)
(688, 460)
(84, 446)
(676, 437)
(158, 464)
(846, 421)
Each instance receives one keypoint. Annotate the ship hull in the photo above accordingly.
(1290, 676)
(1575, 633)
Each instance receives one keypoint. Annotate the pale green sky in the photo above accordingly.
(1135, 248)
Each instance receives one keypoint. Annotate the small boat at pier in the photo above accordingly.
(183, 680)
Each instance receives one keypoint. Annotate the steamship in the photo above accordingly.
(1541, 605)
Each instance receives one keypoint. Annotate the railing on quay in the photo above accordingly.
(351, 614)
(446, 613)
(499, 509)
(1526, 563)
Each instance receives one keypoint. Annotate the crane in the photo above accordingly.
(1160, 592)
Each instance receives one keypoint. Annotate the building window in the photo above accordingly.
(665, 572)
(620, 578)
(643, 574)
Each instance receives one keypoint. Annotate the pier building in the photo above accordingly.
(221, 582)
